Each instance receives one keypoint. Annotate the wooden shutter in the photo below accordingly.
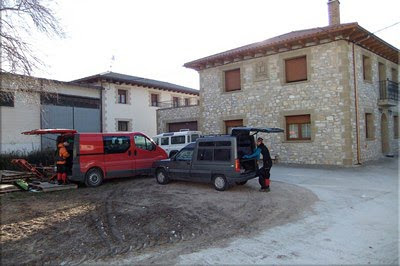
(367, 68)
(369, 126)
(232, 80)
(298, 119)
(296, 69)
(229, 124)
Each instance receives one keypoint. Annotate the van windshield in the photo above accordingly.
(194, 137)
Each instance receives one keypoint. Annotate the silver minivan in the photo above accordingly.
(172, 142)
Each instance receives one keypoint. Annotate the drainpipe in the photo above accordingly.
(356, 106)
(101, 107)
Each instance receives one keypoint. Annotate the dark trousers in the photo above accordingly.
(263, 175)
(61, 168)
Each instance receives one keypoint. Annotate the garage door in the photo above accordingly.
(72, 112)
(174, 127)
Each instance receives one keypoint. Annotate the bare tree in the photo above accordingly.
(19, 18)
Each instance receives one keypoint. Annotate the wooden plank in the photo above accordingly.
(5, 188)
(6, 173)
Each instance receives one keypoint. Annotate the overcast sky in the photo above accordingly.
(153, 39)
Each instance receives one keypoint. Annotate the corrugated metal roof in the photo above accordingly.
(123, 78)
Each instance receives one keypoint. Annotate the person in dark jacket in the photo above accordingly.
(264, 171)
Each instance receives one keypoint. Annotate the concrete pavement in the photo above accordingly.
(356, 221)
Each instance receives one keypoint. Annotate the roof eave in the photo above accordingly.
(100, 78)
(330, 32)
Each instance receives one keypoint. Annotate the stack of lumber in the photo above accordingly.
(5, 188)
(7, 176)
(8, 179)
(47, 187)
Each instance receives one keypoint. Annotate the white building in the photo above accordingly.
(28, 103)
(130, 103)
(106, 102)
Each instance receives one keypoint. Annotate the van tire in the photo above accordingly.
(220, 183)
(162, 177)
(241, 183)
(94, 177)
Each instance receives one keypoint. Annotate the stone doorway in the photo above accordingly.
(384, 134)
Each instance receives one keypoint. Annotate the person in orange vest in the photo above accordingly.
(61, 160)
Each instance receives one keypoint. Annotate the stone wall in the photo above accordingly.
(175, 115)
(266, 101)
(368, 95)
(328, 96)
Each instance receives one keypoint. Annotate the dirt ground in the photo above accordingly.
(133, 217)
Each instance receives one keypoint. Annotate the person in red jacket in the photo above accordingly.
(61, 160)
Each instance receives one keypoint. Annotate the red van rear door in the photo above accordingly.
(118, 157)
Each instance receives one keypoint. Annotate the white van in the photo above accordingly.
(172, 142)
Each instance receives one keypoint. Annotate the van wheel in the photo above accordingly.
(220, 183)
(94, 177)
(241, 183)
(162, 177)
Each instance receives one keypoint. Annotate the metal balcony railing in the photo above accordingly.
(388, 90)
(174, 104)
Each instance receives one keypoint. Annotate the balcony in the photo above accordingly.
(388, 93)
(187, 102)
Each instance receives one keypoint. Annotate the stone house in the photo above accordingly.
(130, 103)
(333, 89)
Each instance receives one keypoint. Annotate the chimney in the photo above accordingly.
(334, 12)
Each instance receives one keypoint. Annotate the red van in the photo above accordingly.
(99, 156)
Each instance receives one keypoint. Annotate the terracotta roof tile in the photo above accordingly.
(281, 39)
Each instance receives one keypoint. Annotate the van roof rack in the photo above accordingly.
(214, 135)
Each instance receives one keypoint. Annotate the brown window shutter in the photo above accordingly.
(298, 119)
(229, 124)
(296, 69)
(234, 123)
(232, 80)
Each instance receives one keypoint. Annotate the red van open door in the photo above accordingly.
(50, 131)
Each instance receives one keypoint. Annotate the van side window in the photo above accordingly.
(178, 140)
(184, 155)
(165, 141)
(143, 143)
(222, 155)
(116, 144)
(207, 144)
(223, 143)
(205, 154)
